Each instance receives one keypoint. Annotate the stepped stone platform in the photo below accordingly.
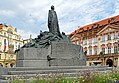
(60, 53)
(68, 71)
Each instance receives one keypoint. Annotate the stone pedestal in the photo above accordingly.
(62, 54)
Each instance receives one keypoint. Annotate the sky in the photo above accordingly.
(30, 16)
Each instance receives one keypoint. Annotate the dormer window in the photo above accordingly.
(10, 31)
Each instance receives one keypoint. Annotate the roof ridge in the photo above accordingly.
(97, 24)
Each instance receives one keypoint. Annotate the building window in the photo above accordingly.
(90, 41)
(0, 56)
(10, 31)
(85, 42)
(95, 40)
(19, 46)
(11, 57)
(15, 45)
(115, 49)
(10, 42)
(15, 37)
(0, 46)
(103, 38)
(4, 33)
(109, 37)
(95, 51)
(103, 50)
(10, 35)
(115, 36)
(5, 56)
(90, 51)
(11, 65)
(19, 37)
(109, 50)
(1, 65)
(76, 43)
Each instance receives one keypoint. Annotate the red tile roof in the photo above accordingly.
(97, 24)
(1, 25)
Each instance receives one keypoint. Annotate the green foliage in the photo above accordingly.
(86, 77)
(18, 81)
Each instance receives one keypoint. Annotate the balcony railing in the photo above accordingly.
(11, 46)
(104, 55)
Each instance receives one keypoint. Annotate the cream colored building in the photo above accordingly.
(10, 41)
(100, 41)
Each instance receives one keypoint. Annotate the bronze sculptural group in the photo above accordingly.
(53, 35)
(50, 48)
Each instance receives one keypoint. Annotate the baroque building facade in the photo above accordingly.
(100, 41)
(10, 41)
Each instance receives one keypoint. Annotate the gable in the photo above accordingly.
(108, 29)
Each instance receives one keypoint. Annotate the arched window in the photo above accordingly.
(1, 65)
(11, 65)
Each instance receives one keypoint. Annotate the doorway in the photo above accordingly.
(109, 62)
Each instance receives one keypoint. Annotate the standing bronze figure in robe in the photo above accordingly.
(53, 22)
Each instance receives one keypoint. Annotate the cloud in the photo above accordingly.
(117, 7)
(26, 35)
(90, 12)
(7, 13)
(31, 15)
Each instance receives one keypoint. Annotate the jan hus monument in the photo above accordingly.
(53, 22)
(51, 48)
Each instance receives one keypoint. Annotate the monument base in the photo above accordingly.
(60, 53)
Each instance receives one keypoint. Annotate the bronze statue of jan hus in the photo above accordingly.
(53, 35)
(53, 22)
